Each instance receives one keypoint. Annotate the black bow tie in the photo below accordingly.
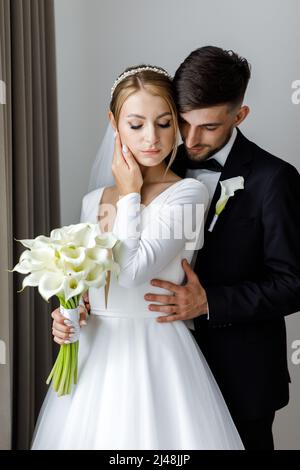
(210, 164)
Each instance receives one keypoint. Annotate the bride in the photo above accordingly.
(141, 384)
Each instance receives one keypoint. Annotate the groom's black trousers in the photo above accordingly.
(256, 434)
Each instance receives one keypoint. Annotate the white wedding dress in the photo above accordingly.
(142, 384)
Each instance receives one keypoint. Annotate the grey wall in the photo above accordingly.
(97, 39)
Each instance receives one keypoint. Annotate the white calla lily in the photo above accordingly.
(37, 242)
(73, 287)
(58, 234)
(79, 235)
(106, 240)
(80, 271)
(32, 280)
(98, 255)
(42, 258)
(228, 188)
(36, 260)
(96, 277)
(23, 267)
(51, 284)
(73, 255)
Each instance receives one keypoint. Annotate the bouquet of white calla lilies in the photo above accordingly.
(66, 264)
(228, 188)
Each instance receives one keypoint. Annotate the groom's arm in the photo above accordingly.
(277, 292)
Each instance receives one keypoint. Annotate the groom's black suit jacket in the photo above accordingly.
(250, 269)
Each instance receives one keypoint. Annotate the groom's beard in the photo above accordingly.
(207, 151)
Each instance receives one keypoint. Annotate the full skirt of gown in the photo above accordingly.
(142, 385)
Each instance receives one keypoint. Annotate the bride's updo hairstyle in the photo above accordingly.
(154, 80)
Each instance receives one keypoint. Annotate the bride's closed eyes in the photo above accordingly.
(161, 125)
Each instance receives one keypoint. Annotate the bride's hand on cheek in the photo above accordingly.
(125, 169)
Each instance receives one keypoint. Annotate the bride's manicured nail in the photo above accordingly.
(124, 148)
(67, 342)
(82, 323)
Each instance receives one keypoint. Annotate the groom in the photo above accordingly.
(246, 278)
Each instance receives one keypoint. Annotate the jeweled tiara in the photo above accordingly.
(137, 70)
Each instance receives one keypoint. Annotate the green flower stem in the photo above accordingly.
(70, 374)
(65, 369)
(66, 364)
(58, 369)
(76, 363)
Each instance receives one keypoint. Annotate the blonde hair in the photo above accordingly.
(155, 83)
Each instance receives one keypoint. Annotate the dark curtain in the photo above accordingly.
(31, 69)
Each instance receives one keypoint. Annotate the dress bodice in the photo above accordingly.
(144, 257)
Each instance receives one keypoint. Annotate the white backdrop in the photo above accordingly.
(97, 39)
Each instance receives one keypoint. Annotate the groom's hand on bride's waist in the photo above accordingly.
(188, 302)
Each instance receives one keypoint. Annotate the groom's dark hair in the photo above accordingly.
(210, 76)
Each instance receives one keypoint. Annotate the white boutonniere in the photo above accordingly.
(228, 188)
